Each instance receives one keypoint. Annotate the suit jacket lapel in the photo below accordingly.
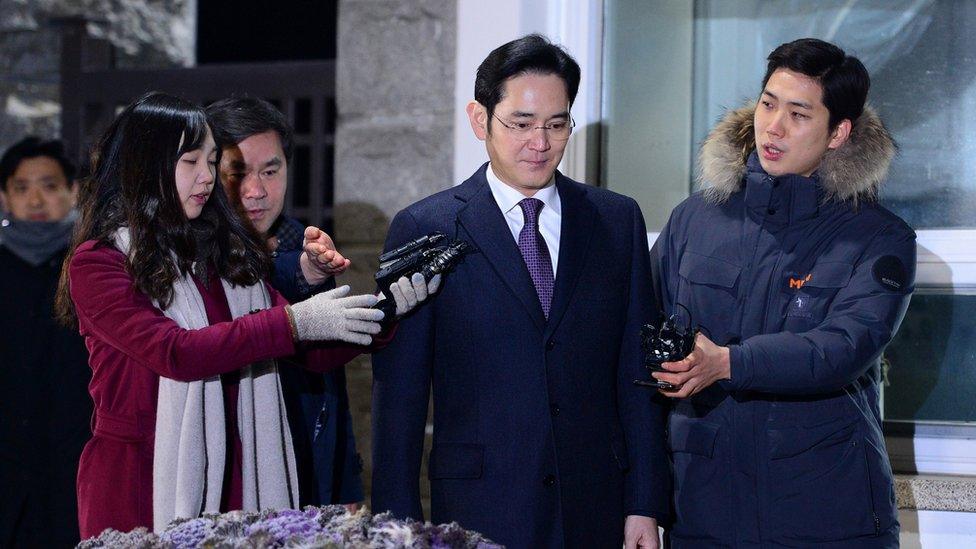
(486, 227)
(576, 227)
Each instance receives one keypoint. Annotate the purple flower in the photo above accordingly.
(138, 538)
(287, 524)
(187, 534)
(327, 526)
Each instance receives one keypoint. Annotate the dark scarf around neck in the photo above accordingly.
(37, 241)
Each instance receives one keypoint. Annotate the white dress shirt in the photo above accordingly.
(550, 217)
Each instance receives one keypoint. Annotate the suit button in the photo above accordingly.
(771, 211)
(550, 480)
(554, 409)
(550, 345)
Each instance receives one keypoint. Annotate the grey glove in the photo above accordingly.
(409, 293)
(333, 316)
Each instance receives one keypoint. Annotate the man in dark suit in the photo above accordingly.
(256, 143)
(45, 409)
(540, 437)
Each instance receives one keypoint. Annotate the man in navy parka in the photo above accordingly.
(798, 279)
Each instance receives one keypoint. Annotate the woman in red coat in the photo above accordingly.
(166, 284)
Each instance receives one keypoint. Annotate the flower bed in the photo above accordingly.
(327, 527)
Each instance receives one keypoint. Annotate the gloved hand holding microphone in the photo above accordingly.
(337, 316)
(408, 294)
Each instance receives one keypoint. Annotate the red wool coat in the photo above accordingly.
(132, 344)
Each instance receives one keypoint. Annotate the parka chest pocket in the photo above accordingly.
(808, 297)
(709, 289)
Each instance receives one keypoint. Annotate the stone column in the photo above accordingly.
(394, 139)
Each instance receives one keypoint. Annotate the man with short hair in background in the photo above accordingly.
(256, 144)
(45, 409)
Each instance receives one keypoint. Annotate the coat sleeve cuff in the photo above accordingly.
(660, 516)
(738, 368)
(306, 290)
(278, 331)
(382, 339)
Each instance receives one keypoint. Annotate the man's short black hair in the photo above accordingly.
(844, 79)
(530, 54)
(235, 119)
(33, 147)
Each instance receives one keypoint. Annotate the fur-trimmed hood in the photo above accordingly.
(850, 173)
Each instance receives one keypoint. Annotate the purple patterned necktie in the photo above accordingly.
(536, 253)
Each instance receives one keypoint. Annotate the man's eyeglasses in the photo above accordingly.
(557, 130)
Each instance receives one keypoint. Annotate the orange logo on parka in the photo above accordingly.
(799, 282)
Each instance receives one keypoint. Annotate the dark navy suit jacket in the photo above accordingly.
(317, 404)
(540, 437)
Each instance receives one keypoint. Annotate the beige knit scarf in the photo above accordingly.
(190, 444)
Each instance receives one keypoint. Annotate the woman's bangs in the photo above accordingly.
(195, 133)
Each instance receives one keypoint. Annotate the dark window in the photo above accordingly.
(238, 31)
(300, 167)
(329, 115)
(303, 115)
(328, 156)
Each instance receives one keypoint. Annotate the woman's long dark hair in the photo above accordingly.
(133, 184)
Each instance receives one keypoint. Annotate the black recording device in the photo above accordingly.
(670, 342)
(422, 255)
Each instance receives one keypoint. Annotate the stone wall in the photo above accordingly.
(394, 139)
(144, 33)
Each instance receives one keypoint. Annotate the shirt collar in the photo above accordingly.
(508, 197)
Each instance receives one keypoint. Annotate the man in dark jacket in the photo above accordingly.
(798, 279)
(45, 409)
(540, 437)
(256, 144)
